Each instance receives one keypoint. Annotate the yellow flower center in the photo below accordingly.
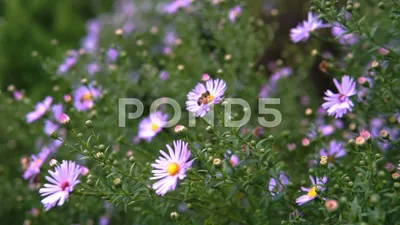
(210, 98)
(173, 169)
(86, 97)
(312, 193)
(154, 127)
(37, 162)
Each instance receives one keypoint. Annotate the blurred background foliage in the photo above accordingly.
(31, 25)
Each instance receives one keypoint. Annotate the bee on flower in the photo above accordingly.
(168, 168)
(317, 186)
(203, 96)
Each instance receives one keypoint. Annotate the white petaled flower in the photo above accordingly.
(62, 182)
(202, 96)
(168, 168)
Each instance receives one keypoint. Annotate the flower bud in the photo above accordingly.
(119, 32)
(217, 161)
(360, 140)
(99, 155)
(395, 176)
(84, 170)
(375, 64)
(374, 198)
(102, 147)
(179, 129)
(64, 119)
(384, 134)
(209, 129)
(89, 124)
(117, 182)
(67, 98)
(54, 135)
(308, 112)
(305, 142)
(84, 81)
(331, 205)
(174, 215)
(365, 134)
(53, 162)
(205, 77)
(396, 185)
(323, 161)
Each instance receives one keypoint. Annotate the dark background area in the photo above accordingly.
(31, 25)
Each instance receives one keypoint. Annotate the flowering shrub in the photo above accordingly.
(168, 113)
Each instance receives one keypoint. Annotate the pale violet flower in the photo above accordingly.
(303, 30)
(152, 125)
(62, 182)
(338, 104)
(168, 168)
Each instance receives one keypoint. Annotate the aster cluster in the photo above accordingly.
(332, 159)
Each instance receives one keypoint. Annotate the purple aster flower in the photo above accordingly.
(89, 43)
(234, 13)
(40, 109)
(57, 110)
(201, 97)
(326, 130)
(50, 126)
(175, 5)
(339, 104)
(84, 96)
(35, 163)
(128, 27)
(62, 182)
(68, 63)
(112, 54)
(170, 38)
(104, 220)
(303, 30)
(93, 27)
(271, 87)
(312, 192)
(276, 186)
(152, 125)
(18, 95)
(93, 68)
(335, 150)
(344, 39)
(164, 75)
(167, 169)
